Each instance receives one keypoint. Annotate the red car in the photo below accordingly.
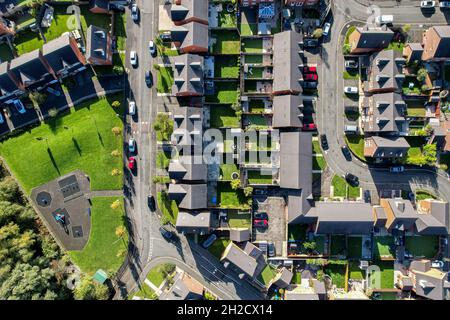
(310, 77)
(131, 163)
(260, 223)
(309, 127)
(309, 69)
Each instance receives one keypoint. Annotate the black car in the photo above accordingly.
(151, 203)
(346, 152)
(352, 179)
(260, 216)
(148, 79)
(310, 43)
(309, 84)
(166, 233)
(324, 142)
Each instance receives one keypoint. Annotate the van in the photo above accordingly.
(351, 129)
(384, 19)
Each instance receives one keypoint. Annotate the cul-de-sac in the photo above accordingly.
(224, 150)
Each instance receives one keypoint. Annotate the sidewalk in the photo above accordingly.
(387, 3)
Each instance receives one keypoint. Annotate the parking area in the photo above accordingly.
(275, 207)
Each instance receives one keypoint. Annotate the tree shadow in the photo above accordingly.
(52, 159)
(77, 146)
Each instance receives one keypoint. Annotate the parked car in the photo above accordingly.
(223, 215)
(19, 106)
(351, 179)
(367, 197)
(349, 128)
(427, 4)
(131, 108)
(151, 202)
(1, 119)
(260, 216)
(437, 264)
(397, 169)
(133, 58)
(347, 153)
(148, 78)
(208, 242)
(310, 77)
(271, 249)
(135, 12)
(324, 142)
(310, 43)
(152, 48)
(351, 90)
(309, 84)
(309, 127)
(384, 19)
(166, 233)
(351, 64)
(165, 36)
(260, 223)
(326, 29)
(309, 69)
(132, 163)
(444, 4)
(131, 145)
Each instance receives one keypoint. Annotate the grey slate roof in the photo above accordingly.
(287, 111)
(188, 74)
(374, 37)
(191, 34)
(240, 259)
(191, 168)
(390, 147)
(59, 53)
(283, 278)
(435, 220)
(97, 43)
(193, 222)
(416, 51)
(388, 111)
(429, 282)
(299, 207)
(28, 67)
(239, 234)
(6, 84)
(189, 196)
(188, 126)
(404, 213)
(386, 70)
(188, 9)
(296, 161)
(344, 218)
(286, 61)
(180, 291)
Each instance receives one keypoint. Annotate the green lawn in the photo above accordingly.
(423, 246)
(227, 19)
(80, 139)
(253, 58)
(217, 248)
(27, 41)
(337, 273)
(423, 195)
(62, 22)
(256, 106)
(252, 45)
(145, 292)
(387, 273)
(350, 75)
(416, 112)
(231, 199)
(169, 209)
(236, 220)
(88, 18)
(354, 245)
(224, 92)
(164, 79)
(319, 163)
(226, 170)
(316, 147)
(338, 245)
(356, 145)
(248, 29)
(226, 42)
(340, 186)
(255, 177)
(120, 30)
(162, 160)
(159, 273)
(354, 271)
(384, 247)
(101, 251)
(223, 116)
(267, 274)
(226, 67)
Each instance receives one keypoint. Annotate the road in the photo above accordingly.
(330, 103)
(147, 245)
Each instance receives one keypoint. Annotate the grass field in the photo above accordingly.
(101, 251)
(159, 273)
(354, 271)
(338, 245)
(356, 145)
(236, 220)
(226, 42)
(162, 160)
(229, 198)
(226, 171)
(168, 208)
(226, 67)
(80, 139)
(27, 42)
(337, 273)
(223, 116)
(423, 246)
(266, 275)
(383, 247)
(340, 186)
(164, 80)
(224, 92)
(218, 247)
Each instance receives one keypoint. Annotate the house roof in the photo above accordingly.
(188, 126)
(59, 53)
(189, 196)
(191, 34)
(344, 218)
(191, 168)
(283, 278)
(433, 217)
(387, 113)
(102, 4)
(183, 288)
(429, 282)
(389, 147)
(28, 67)
(287, 111)
(239, 234)
(240, 259)
(194, 221)
(416, 51)
(386, 70)
(188, 74)
(299, 206)
(96, 43)
(374, 37)
(287, 61)
(296, 161)
(404, 214)
(6, 84)
(437, 47)
(189, 9)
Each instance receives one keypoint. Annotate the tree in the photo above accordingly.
(318, 33)
(346, 49)
(116, 104)
(116, 130)
(163, 125)
(430, 154)
(115, 205)
(248, 191)
(53, 112)
(38, 97)
(235, 184)
(425, 88)
(422, 74)
(309, 246)
(88, 289)
(121, 231)
(9, 190)
(406, 28)
(115, 172)
(115, 153)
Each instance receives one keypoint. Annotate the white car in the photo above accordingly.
(131, 145)
(444, 4)
(384, 19)
(351, 90)
(152, 47)
(131, 108)
(437, 264)
(427, 4)
(326, 29)
(135, 12)
(133, 58)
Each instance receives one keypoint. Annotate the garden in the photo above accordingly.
(224, 116)
(384, 247)
(422, 246)
(168, 207)
(232, 199)
(225, 42)
(226, 67)
(226, 92)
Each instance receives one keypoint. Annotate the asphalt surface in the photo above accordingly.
(330, 103)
